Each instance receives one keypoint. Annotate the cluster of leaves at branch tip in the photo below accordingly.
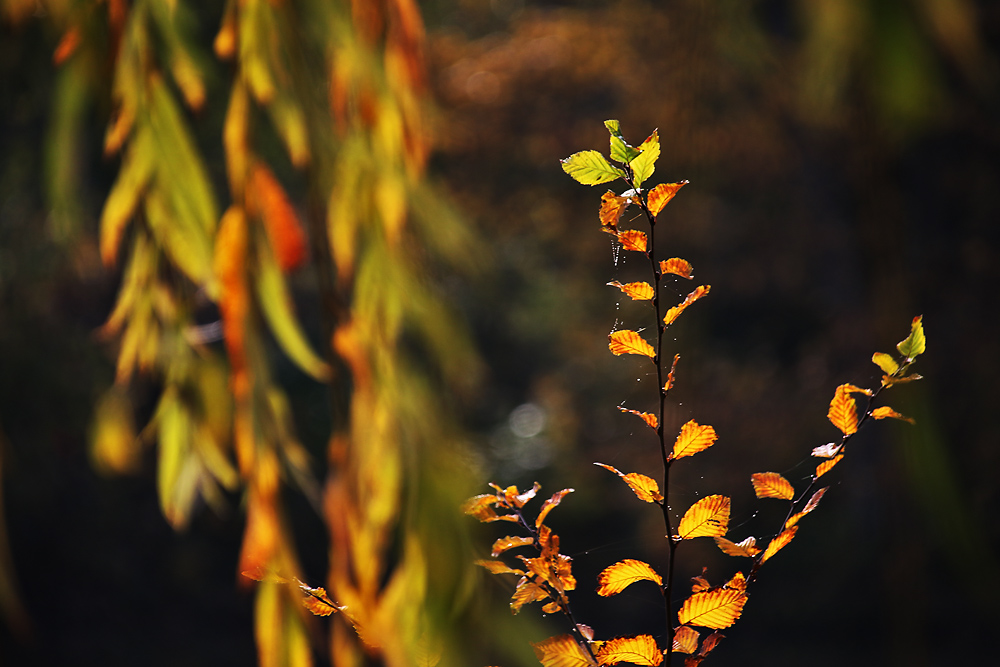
(547, 575)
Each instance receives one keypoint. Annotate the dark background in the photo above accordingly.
(844, 160)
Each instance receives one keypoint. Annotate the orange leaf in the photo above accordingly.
(825, 466)
(885, 411)
(699, 584)
(561, 651)
(616, 578)
(810, 506)
(670, 376)
(633, 239)
(67, 45)
(638, 650)
(481, 506)
(640, 291)
(612, 207)
(498, 567)
(549, 504)
(716, 609)
(626, 341)
(317, 602)
(737, 583)
(778, 543)
(692, 439)
(685, 639)
(747, 548)
(647, 417)
(505, 543)
(710, 643)
(678, 267)
(843, 412)
(709, 517)
(772, 485)
(284, 230)
(229, 264)
(645, 488)
(513, 498)
(675, 312)
(661, 195)
(527, 591)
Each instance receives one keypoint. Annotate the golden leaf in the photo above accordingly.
(885, 411)
(810, 506)
(562, 651)
(637, 650)
(661, 195)
(481, 506)
(675, 312)
(640, 291)
(527, 591)
(498, 567)
(670, 376)
(549, 504)
(317, 602)
(843, 412)
(709, 517)
(505, 543)
(616, 578)
(778, 543)
(633, 240)
(692, 439)
(772, 485)
(645, 488)
(716, 609)
(678, 267)
(647, 417)
(747, 548)
(885, 362)
(825, 466)
(612, 207)
(685, 639)
(626, 341)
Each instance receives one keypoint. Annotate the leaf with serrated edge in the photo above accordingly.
(549, 504)
(675, 312)
(661, 195)
(626, 341)
(644, 165)
(716, 609)
(885, 362)
(561, 651)
(779, 543)
(527, 591)
(590, 168)
(612, 207)
(843, 412)
(692, 439)
(745, 549)
(638, 650)
(616, 578)
(510, 542)
(709, 517)
(885, 411)
(639, 291)
(772, 485)
(678, 267)
(633, 239)
(685, 639)
(647, 417)
(914, 344)
(825, 466)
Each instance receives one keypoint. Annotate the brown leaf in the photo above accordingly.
(710, 643)
(685, 639)
(505, 543)
(810, 506)
(692, 439)
(772, 485)
(709, 517)
(616, 578)
(626, 341)
(675, 312)
(678, 267)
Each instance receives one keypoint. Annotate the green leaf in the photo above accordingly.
(590, 168)
(621, 151)
(643, 166)
(915, 343)
(614, 127)
(885, 362)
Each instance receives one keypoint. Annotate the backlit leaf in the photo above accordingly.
(710, 643)
(590, 168)
(692, 439)
(266, 197)
(709, 517)
(843, 412)
(498, 567)
(549, 504)
(562, 651)
(810, 506)
(685, 639)
(889, 380)
(647, 417)
(915, 343)
(644, 487)
(827, 451)
(644, 165)
(481, 506)
(678, 267)
(626, 341)
(509, 542)
(616, 578)
(885, 362)
(638, 650)
(317, 601)
(661, 195)
(738, 582)
(633, 239)
(885, 411)
(612, 207)
(746, 549)
(675, 312)
(700, 583)
(640, 291)
(824, 467)
(772, 485)
(621, 151)
(527, 591)
(716, 609)
(133, 177)
(779, 543)
(668, 385)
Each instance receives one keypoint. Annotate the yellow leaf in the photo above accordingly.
(647, 417)
(747, 548)
(549, 504)
(914, 344)
(675, 312)
(885, 362)
(505, 543)
(843, 412)
(778, 543)
(481, 506)
(645, 488)
(638, 650)
(716, 609)
(772, 485)
(527, 591)
(685, 639)
(626, 341)
(633, 240)
(640, 291)
(133, 177)
(885, 411)
(825, 466)
(678, 267)
(709, 517)
(616, 578)
(114, 447)
(562, 651)
(738, 582)
(498, 567)
(692, 439)
(661, 195)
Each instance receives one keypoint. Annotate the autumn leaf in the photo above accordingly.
(827, 451)
(616, 578)
(640, 291)
(810, 506)
(914, 344)
(674, 313)
(692, 439)
(700, 583)
(514, 498)
(317, 602)
(678, 267)
(772, 485)
(668, 385)
(527, 591)
(647, 417)
(779, 543)
(626, 341)
(498, 567)
(645, 488)
(549, 504)
(825, 466)
(885, 411)
(590, 168)
(709, 517)
(562, 651)
(843, 412)
(505, 543)
(885, 362)
(481, 506)
(710, 643)
(637, 650)
(716, 609)
(612, 208)
(661, 195)
(685, 639)
(645, 163)
(632, 239)
(747, 548)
